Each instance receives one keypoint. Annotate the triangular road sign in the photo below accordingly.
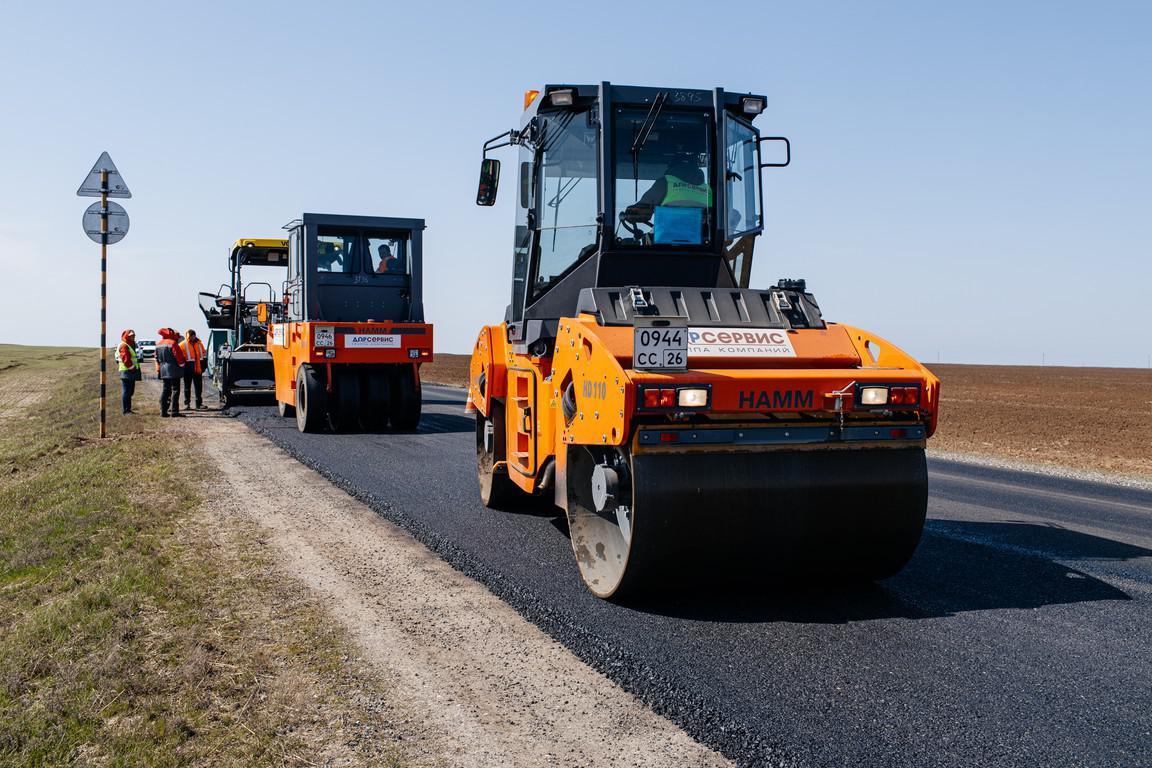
(116, 185)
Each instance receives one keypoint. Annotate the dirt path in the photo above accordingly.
(471, 682)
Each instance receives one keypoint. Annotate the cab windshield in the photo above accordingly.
(663, 172)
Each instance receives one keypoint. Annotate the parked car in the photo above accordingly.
(146, 348)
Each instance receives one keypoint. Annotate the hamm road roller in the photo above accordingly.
(691, 427)
(348, 344)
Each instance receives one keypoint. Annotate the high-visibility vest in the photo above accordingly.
(131, 353)
(681, 193)
(193, 353)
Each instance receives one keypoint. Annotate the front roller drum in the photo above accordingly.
(655, 522)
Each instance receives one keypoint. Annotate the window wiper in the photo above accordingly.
(649, 122)
(642, 137)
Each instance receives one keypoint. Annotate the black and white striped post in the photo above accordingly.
(105, 223)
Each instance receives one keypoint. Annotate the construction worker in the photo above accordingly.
(128, 360)
(683, 185)
(329, 257)
(388, 262)
(170, 369)
(196, 359)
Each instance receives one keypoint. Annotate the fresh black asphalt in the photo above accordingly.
(1019, 635)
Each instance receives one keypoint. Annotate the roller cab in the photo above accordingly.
(694, 430)
(350, 339)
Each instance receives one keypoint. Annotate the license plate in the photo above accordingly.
(659, 344)
(324, 336)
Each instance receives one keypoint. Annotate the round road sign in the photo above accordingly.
(117, 222)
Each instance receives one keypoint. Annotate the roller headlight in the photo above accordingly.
(873, 395)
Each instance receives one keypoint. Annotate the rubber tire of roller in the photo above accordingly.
(497, 491)
(405, 398)
(374, 400)
(311, 400)
(344, 407)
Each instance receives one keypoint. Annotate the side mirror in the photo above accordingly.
(262, 312)
(787, 151)
(489, 181)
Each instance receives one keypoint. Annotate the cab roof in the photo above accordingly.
(261, 251)
(731, 101)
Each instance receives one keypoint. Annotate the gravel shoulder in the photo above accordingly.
(466, 680)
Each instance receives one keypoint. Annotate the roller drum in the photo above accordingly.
(694, 519)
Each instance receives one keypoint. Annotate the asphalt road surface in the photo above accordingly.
(1020, 634)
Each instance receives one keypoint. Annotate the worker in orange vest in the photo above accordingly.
(197, 358)
(170, 368)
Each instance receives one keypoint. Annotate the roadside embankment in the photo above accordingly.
(130, 632)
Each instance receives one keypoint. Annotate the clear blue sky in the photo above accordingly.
(971, 180)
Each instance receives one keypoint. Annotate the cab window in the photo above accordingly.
(387, 255)
(663, 171)
(335, 251)
(742, 177)
(567, 196)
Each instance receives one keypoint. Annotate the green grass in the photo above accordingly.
(127, 638)
(13, 356)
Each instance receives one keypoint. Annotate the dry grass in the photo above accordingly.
(23, 382)
(129, 633)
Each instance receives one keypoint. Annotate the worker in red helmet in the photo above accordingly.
(128, 361)
(170, 368)
(195, 357)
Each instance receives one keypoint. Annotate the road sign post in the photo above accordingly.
(104, 223)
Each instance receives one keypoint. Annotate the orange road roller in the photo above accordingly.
(692, 428)
(349, 338)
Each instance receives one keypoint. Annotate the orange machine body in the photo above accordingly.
(815, 389)
(327, 345)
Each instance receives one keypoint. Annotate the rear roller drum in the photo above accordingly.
(405, 398)
(344, 405)
(675, 521)
(497, 491)
(374, 407)
(311, 400)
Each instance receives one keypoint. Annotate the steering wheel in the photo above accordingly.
(633, 227)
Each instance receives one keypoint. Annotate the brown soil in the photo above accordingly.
(1084, 418)
(448, 369)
